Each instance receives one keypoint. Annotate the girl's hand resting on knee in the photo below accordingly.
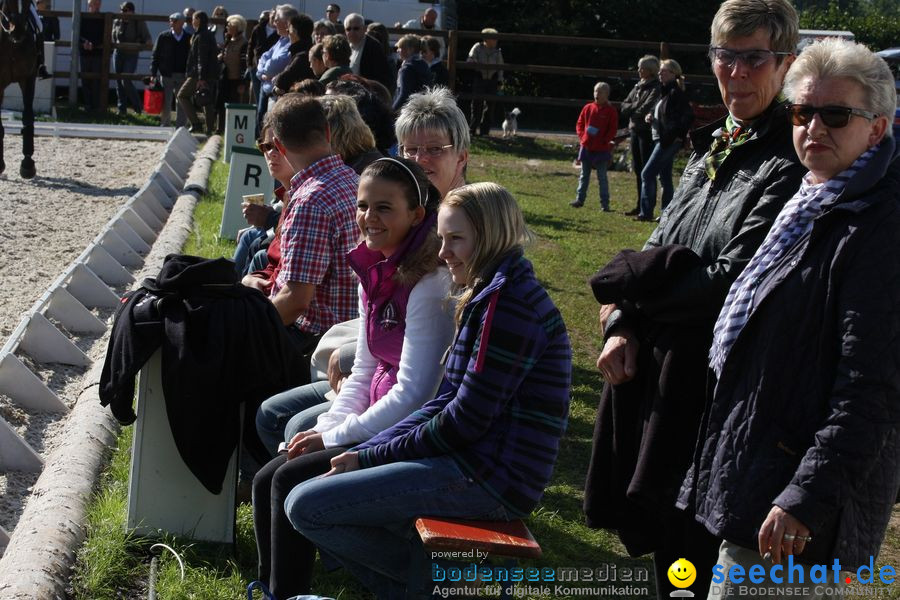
(304, 443)
(344, 463)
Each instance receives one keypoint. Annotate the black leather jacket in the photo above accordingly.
(725, 220)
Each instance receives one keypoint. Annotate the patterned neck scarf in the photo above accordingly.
(726, 138)
(794, 221)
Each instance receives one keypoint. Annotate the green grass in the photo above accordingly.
(65, 114)
(204, 239)
(571, 245)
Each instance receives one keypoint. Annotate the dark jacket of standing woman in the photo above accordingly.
(806, 414)
(723, 220)
(203, 58)
(675, 114)
(638, 104)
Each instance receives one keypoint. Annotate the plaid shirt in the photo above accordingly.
(318, 231)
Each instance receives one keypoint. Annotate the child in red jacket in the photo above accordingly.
(596, 127)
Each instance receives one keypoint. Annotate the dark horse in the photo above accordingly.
(19, 64)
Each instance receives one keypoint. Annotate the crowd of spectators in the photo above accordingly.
(200, 65)
(776, 248)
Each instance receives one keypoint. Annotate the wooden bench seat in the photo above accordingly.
(497, 538)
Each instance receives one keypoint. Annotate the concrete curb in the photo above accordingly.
(38, 561)
(198, 177)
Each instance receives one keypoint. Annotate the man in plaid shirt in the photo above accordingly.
(311, 285)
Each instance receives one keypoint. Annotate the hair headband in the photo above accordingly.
(411, 176)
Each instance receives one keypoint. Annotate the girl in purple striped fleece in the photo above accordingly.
(485, 446)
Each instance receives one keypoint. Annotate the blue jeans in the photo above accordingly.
(365, 518)
(125, 93)
(658, 165)
(299, 407)
(585, 180)
(259, 261)
(242, 250)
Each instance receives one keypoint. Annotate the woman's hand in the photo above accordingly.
(606, 310)
(304, 443)
(257, 283)
(782, 535)
(256, 214)
(344, 463)
(335, 376)
(618, 360)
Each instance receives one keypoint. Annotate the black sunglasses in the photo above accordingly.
(265, 147)
(832, 116)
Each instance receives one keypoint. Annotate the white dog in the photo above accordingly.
(510, 123)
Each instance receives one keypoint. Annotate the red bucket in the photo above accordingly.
(153, 101)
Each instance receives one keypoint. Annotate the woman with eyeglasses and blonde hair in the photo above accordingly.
(485, 446)
(657, 322)
(405, 327)
(433, 131)
(669, 121)
(804, 461)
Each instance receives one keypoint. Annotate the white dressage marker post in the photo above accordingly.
(240, 127)
(248, 174)
(163, 494)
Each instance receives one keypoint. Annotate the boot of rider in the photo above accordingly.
(42, 69)
(38, 41)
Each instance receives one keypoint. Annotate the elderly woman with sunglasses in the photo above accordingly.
(799, 452)
(657, 332)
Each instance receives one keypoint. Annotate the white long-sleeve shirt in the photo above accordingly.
(429, 331)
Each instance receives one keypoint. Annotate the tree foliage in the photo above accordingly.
(876, 28)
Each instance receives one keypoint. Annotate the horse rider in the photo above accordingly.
(37, 28)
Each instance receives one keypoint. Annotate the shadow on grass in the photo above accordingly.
(65, 114)
(522, 147)
(557, 225)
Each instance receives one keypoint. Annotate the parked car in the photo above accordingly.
(892, 58)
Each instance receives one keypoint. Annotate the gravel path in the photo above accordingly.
(45, 223)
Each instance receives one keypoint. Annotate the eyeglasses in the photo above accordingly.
(754, 59)
(432, 151)
(264, 146)
(356, 28)
(832, 116)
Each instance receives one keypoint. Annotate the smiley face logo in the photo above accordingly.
(682, 573)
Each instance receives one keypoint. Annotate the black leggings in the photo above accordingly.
(286, 558)
(683, 537)
(641, 148)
